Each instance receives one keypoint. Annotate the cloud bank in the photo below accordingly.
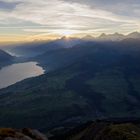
(30, 17)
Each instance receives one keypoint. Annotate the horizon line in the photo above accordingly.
(57, 37)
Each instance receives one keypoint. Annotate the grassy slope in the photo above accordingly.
(102, 131)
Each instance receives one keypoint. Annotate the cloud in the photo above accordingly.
(73, 16)
(8, 5)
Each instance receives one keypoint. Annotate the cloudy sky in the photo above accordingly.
(23, 20)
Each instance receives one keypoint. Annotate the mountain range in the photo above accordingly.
(113, 37)
(35, 48)
(89, 81)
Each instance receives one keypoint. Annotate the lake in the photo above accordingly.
(17, 72)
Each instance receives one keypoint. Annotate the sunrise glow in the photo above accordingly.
(27, 20)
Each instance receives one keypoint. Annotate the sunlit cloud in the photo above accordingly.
(63, 17)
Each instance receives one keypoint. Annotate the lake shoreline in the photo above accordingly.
(19, 72)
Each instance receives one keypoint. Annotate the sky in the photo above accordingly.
(27, 20)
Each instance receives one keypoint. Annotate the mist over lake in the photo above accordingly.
(18, 72)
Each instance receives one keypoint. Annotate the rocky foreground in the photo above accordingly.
(98, 130)
(103, 130)
(23, 134)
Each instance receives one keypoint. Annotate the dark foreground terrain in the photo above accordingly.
(117, 129)
(94, 130)
(22, 134)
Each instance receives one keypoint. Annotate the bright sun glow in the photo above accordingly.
(27, 20)
(66, 33)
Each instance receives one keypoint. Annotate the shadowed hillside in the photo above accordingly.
(5, 58)
(91, 81)
(101, 130)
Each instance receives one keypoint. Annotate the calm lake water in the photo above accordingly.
(16, 72)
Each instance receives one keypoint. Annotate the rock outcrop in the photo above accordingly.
(23, 134)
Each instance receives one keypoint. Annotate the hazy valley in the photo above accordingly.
(88, 81)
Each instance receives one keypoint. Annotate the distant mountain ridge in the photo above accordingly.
(36, 48)
(32, 49)
(113, 37)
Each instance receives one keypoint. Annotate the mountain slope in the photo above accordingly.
(35, 48)
(101, 81)
(5, 58)
(134, 35)
(102, 130)
(111, 37)
(114, 37)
